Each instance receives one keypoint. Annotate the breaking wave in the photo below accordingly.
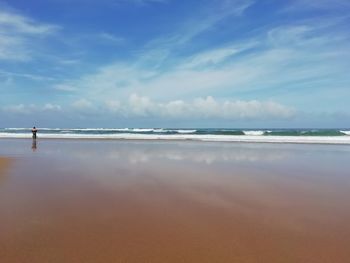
(237, 135)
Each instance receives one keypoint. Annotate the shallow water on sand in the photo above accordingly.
(133, 201)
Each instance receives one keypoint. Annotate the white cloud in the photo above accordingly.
(26, 76)
(280, 57)
(114, 106)
(205, 20)
(31, 108)
(287, 35)
(278, 60)
(215, 56)
(11, 22)
(136, 106)
(110, 38)
(20, 108)
(63, 87)
(142, 106)
(17, 33)
(301, 5)
(201, 108)
(11, 48)
(51, 107)
(82, 105)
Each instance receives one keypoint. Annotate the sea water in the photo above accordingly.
(332, 136)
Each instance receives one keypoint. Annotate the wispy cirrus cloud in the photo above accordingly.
(142, 74)
(17, 33)
(205, 19)
(12, 22)
(283, 58)
(142, 2)
(303, 5)
(27, 76)
(110, 38)
(12, 48)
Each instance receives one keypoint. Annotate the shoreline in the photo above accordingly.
(330, 140)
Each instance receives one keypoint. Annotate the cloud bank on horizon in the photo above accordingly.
(174, 63)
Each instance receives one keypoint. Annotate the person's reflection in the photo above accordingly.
(34, 145)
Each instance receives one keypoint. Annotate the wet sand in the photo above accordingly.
(4, 164)
(110, 201)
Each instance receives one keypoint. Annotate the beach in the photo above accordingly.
(173, 201)
(4, 164)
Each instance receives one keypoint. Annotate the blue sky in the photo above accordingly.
(174, 63)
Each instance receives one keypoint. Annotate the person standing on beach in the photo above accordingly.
(34, 131)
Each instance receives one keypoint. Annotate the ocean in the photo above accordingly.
(331, 136)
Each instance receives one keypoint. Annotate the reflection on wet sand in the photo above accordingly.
(34, 145)
(134, 153)
(187, 202)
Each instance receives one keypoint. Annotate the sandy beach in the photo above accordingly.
(117, 201)
(4, 164)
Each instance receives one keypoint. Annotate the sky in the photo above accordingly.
(175, 63)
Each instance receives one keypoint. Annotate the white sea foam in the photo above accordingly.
(96, 129)
(131, 130)
(196, 137)
(345, 132)
(256, 133)
(46, 129)
(160, 130)
(186, 131)
(69, 129)
(141, 130)
(17, 129)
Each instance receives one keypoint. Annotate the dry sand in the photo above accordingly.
(100, 208)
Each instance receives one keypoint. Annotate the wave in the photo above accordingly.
(186, 131)
(256, 133)
(90, 129)
(141, 130)
(279, 135)
(16, 129)
(195, 137)
(345, 132)
(160, 130)
(304, 133)
(68, 129)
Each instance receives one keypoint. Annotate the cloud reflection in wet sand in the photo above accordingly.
(176, 202)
